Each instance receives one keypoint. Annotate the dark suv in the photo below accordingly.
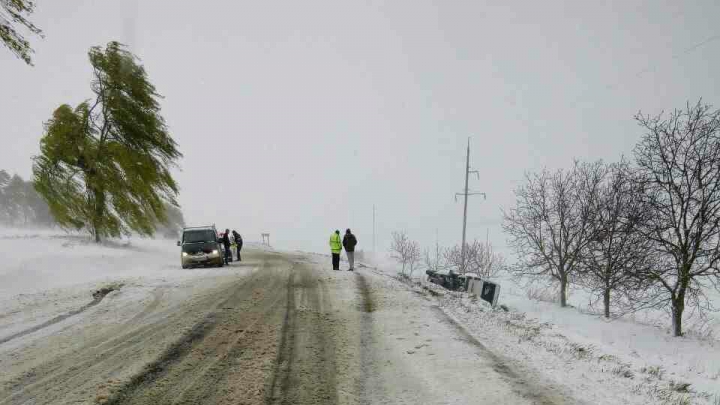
(200, 247)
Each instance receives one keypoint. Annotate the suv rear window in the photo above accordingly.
(204, 235)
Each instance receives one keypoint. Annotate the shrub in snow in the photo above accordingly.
(405, 252)
(480, 259)
(623, 371)
(656, 371)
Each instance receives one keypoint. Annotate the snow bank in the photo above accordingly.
(641, 341)
(632, 359)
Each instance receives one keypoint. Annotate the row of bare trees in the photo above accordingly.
(641, 233)
(480, 258)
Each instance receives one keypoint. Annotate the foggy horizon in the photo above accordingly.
(294, 119)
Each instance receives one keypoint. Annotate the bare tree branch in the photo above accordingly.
(552, 221)
(679, 163)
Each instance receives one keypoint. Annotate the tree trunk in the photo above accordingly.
(677, 311)
(98, 210)
(678, 307)
(606, 301)
(563, 290)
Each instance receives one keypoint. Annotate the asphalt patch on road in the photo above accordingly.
(97, 298)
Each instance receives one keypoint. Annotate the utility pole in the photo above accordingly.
(374, 229)
(437, 251)
(466, 193)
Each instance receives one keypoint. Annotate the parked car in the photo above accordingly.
(200, 246)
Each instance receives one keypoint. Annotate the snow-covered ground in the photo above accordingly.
(390, 345)
(632, 359)
(49, 273)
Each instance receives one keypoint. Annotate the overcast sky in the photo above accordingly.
(296, 117)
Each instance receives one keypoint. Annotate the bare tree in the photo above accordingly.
(618, 251)
(679, 162)
(398, 248)
(405, 252)
(480, 258)
(414, 256)
(434, 262)
(437, 261)
(551, 223)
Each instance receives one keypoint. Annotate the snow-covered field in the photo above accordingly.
(632, 360)
(46, 274)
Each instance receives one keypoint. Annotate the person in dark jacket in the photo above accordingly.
(349, 242)
(226, 243)
(238, 243)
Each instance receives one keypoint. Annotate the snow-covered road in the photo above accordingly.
(276, 328)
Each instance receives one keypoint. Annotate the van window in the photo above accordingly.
(204, 235)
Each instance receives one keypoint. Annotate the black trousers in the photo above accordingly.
(336, 261)
(239, 248)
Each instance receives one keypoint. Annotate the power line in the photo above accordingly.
(653, 67)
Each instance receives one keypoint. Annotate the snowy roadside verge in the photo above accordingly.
(585, 369)
(589, 356)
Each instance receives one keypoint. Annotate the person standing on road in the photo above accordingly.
(238, 243)
(335, 248)
(349, 242)
(226, 243)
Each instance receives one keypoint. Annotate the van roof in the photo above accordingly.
(199, 228)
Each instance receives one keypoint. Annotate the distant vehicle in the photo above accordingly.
(200, 246)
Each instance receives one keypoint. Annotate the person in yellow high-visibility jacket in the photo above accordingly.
(336, 248)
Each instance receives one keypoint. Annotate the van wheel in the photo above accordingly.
(184, 266)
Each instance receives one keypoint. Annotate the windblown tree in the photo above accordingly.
(679, 162)
(552, 222)
(105, 164)
(618, 252)
(13, 16)
(4, 195)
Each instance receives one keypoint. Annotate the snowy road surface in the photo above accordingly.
(274, 329)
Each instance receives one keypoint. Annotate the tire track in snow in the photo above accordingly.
(281, 374)
(367, 302)
(98, 297)
(161, 381)
(306, 369)
(108, 353)
(367, 355)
